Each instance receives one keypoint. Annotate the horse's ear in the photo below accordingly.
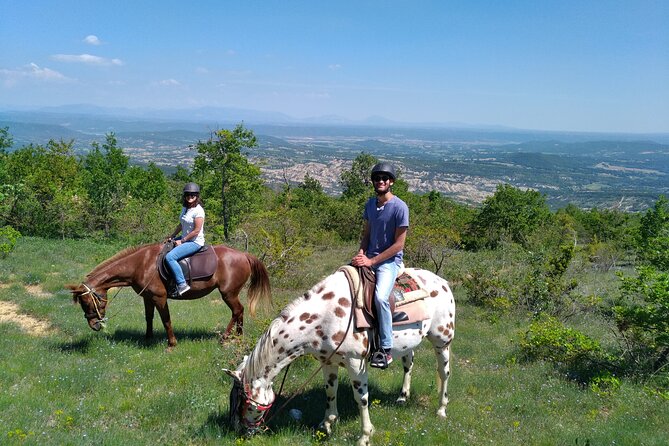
(75, 290)
(234, 374)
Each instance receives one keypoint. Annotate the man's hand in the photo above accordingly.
(361, 260)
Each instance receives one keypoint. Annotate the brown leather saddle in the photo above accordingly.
(405, 292)
(201, 265)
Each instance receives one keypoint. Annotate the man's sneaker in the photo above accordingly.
(381, 359)
(181, 289)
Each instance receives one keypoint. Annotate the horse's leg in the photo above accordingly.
(407, 363)
(149, 308)
(444, 370)
(331, 385)
(164, 312)
(237, 310)
(357, 371)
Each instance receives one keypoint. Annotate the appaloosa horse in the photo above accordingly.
(320, 324)
(136, 267)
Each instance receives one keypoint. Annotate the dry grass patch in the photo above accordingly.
(10, 312)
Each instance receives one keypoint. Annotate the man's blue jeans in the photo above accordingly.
(185, 249)
(386, 273)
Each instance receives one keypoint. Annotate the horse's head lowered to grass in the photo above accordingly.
(93, 302)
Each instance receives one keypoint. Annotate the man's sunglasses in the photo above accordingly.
(190, 194)
(379, 178)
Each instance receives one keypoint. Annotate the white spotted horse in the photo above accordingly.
(319, 324)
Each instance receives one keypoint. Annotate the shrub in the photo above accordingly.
(642, 317)
(8, 238)
(545, 288)
(548, 339)
(486, 289)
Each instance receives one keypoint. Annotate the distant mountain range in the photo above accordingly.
(81, 121)
(626, 171)
(223, 115)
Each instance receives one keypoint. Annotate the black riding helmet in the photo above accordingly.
(191, 188)
(386, 168)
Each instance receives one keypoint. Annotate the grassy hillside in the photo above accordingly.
(61, 383)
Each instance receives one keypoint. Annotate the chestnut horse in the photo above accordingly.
(319, 324)
(136, 267)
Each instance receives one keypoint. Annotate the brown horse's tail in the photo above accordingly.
(259, 289)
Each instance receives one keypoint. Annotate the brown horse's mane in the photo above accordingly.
(126, 252)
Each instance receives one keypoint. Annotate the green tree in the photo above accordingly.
(509, 213)
(356, 181)
(42, 193)
(6, 140)
(147, 184)
(105, 168)
(642, 317)
(653, 240)
(223, 165)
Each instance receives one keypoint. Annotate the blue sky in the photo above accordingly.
(552, 65)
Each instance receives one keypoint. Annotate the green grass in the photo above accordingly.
(74, 386)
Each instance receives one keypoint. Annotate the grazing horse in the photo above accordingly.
(136, 267)
(319, 323)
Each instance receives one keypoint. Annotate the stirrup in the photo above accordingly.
(380, 359)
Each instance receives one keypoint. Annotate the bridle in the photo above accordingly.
(99, 301)
(240, 397)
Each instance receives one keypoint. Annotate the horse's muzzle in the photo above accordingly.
(95, 324)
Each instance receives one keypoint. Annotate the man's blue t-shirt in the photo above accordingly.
(383, 221)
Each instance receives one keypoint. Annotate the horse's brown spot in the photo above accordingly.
(339, 312)
(329, 295)
(285, 336)
(338, 337)
(365, 342)
(441, 328)
(320, 289)
(319, 333)
(344, 302)
(314, 344)
(434, 293)
(307, 295)
(302, 327)
(281, 350)
(304, 316)
(290, 320)
(323, 352)
(445, 288)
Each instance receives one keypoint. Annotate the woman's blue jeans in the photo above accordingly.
(185, 249)
(386, 273)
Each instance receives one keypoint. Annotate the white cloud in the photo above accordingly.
(92, 40)
(169, 83)
(87, 59)
(334, 66)
(31, 72)
(201, 70)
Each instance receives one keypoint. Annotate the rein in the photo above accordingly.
(98, 299)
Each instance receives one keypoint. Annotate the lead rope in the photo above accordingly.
(283, 406)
